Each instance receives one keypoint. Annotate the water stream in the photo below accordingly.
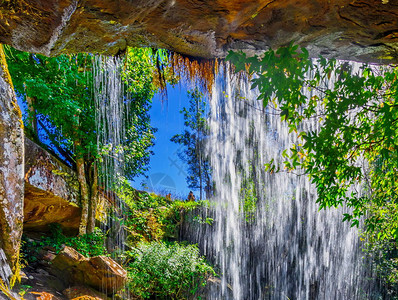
(268, 239)
(111, 116)
(110, 108)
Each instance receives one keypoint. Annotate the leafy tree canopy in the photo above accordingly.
(192, 140)
(356, 142)
(60, 90)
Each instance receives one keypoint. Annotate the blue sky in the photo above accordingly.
(167, 171)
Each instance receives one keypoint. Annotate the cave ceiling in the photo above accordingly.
(356, 30)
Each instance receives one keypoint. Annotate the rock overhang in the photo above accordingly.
(365, 30)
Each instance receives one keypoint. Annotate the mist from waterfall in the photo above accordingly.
(268, 239)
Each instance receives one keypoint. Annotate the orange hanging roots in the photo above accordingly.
(200, 72)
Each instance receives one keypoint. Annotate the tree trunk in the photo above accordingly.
(11, 168)
(84, 194)
(93, 201)
(67, 156)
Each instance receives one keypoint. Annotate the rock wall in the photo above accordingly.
(11, 166)
(44, 171)
(365, 30)
(51, 191)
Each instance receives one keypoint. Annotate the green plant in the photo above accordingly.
(248, 194)
(168, 271)
(151, 217)
(24, 289)
(91, 244)
(384, 254)
(201, 220)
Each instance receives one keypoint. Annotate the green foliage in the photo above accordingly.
(358, 117)
(59, 89)
(24, 289)
(169, 271)
(138, 199)
(151, 217)
(89, 245)
(192, 140)
(385, 256)
(248, 199)
(138, 75)
(201, 220)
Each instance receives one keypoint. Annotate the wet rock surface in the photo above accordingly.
(364, 30)
(41, 284)
(44, 171)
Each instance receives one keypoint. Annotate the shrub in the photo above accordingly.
(384, 257)
(151, 217)
(167, 270)
(92, 244)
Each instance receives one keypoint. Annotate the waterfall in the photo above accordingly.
(110, 108)
(268, 239)
(110, 121)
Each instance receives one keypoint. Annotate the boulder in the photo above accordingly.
(104, 273)
(100, 272)
(68, 259)
(45, 172)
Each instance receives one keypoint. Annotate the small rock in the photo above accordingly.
(42, 272)
(23, 275)
(48, 256)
